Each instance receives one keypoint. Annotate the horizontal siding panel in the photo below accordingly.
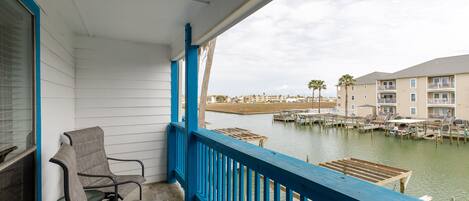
(56, 90)
(119, 65)
(155, 178)
(141, 155)
(132, 138)
(50, 58)
(124, 88)
(123, 93)
(120, 103)
(129, 166)
(121, 112)
(122, 84)
(50, 42)
(115, 74)
(52, 74)
(129, 129)
(148, 171)
(134, 147)
(118, 121)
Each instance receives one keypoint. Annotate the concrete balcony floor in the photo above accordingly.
(159, 192)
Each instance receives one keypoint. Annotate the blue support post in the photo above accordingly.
(191, 120)
(171, 133)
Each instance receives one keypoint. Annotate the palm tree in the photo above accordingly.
(312, 86)
(346, 81)
(320, 85)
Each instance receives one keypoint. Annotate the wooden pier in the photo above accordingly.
(372, 172)
(243, 134)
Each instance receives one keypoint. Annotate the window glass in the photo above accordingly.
(413, 97)
(413, 83)
(16, 79)
(413, 111)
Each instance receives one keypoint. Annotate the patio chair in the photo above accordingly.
(73, 189)
(93, 165)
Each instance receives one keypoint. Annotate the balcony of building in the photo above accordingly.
(441, 83)
(441, 99)
(386, 85)
(440, 112)
(384, 101)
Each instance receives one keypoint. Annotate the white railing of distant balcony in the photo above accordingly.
(437, 115)
(387, 100)
(386, 87)
(441, 101)
(441, 85)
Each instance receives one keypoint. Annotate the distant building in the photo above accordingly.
(434, 89)
(217, 99)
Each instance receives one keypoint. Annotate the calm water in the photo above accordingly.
(439, 171)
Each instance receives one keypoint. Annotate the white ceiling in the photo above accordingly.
(151, 21)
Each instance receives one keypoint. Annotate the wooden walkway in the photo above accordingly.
(243, 134)
(371, 172)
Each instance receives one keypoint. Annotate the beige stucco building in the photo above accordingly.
(434, 89)
(361, 96)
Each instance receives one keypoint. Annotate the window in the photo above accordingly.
(16, 78)
(353, 107)
(365, 97)
(413, 111)
(413, 83)
(353, 97)
(413, 97)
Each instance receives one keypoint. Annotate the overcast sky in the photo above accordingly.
(278, 49)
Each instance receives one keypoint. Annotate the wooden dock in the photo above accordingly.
(243, 134)
(372, 172)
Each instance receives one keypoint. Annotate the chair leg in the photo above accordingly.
(140, 190)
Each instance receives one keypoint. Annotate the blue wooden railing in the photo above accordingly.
(229, 169)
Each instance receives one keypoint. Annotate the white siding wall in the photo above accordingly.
(57, 91)
(124, 88)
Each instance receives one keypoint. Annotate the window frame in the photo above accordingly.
(415, 109)
(415, 95)
(414, 80)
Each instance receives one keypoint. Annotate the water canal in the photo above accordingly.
(439, 171)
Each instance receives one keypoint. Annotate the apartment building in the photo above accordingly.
(361, 96)
(434, 89)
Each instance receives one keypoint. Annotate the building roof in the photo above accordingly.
(371, 78)
(439, 66)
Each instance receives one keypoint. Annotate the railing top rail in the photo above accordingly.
(314, 182)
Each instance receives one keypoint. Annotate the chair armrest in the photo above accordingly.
(130, 160)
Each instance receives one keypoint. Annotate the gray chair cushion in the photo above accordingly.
(65, 157)
(91, 157)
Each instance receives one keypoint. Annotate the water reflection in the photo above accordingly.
(440, 171)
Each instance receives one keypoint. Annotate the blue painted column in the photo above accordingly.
(171, 132)
(191, 114)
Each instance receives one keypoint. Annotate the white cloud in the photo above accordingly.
(289, 42)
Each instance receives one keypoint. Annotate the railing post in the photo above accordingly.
(191, 115)
(171, 132)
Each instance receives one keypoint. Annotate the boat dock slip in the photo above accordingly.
(372, 172)
(243, 134)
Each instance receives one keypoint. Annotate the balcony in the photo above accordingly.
(441, 101)
(437, 115)
(441, 86)
(386, 100)
(387, 87)
(220, 168)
